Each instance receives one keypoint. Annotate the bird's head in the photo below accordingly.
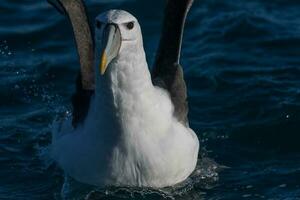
(116, 31)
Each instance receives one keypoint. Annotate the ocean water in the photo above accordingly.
(242, 66)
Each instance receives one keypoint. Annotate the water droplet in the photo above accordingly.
(249, 186)
(282, 185)
(247, 195)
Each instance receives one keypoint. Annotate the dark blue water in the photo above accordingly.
(242, 66)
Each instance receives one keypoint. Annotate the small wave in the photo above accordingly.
(204, 177)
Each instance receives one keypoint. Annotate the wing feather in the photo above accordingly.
(85, 84)
(167, 72)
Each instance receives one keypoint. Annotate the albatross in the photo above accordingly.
(129, 127)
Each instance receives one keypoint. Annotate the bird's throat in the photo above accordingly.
(127, 76)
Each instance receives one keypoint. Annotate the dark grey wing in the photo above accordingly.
(167, 72)
(85, 83)
(76, 12)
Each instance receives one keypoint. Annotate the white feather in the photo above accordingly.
(130, 136)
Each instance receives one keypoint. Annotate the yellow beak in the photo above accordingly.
(111, 43)
(103, 63)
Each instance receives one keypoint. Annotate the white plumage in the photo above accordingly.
(130, 136)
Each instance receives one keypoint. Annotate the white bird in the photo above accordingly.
(128, 128)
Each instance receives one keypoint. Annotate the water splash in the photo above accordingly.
(204, 177)
(5, 49)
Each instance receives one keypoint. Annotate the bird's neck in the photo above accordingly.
(127, 76)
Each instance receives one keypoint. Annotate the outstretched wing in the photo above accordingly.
(167, 72)
(76, 12)
(85, 83)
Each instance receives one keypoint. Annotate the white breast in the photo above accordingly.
(155, 149)
(130, 136)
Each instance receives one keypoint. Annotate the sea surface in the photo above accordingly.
(241, 62)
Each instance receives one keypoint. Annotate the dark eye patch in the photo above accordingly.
(98, 24)
(130, 25)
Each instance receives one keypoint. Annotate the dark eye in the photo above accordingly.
(130, 25)
(98, 24)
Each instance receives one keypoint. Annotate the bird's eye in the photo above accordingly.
(130, 25)
(98, 24)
